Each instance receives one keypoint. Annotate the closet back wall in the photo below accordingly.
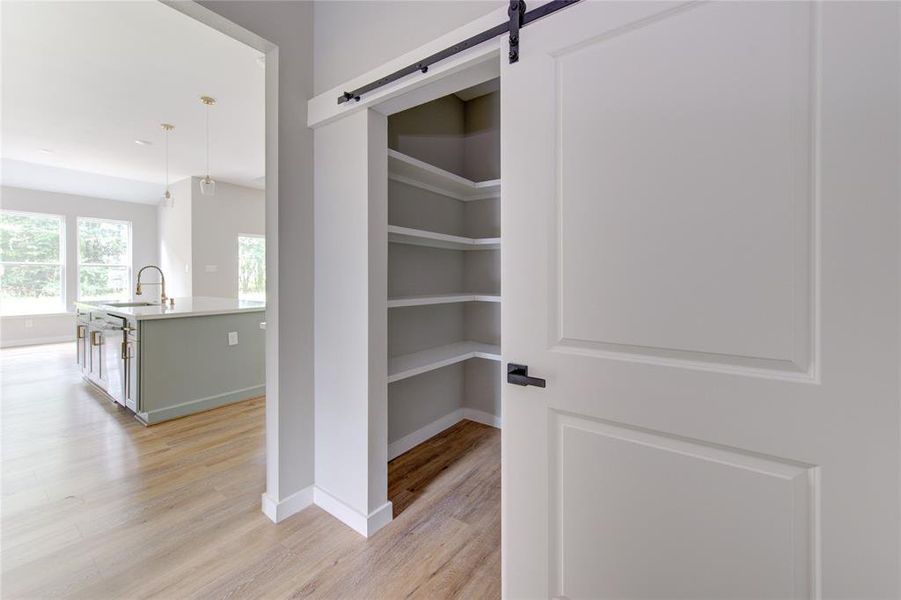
(457, 136)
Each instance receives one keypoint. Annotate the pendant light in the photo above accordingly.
(207, 185)
(168, 201)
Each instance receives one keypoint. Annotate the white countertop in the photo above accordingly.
(184, 307)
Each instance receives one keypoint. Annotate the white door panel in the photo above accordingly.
(701, 258)
(731, 251)
(636, 500)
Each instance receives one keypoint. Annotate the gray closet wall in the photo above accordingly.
(433, 132)
(462, 137)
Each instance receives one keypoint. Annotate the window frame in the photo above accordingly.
(129, 253)
(238, 257)
(63, 258)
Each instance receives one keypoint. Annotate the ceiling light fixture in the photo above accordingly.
(168, 201)
(143, 142)
(207, 185)
(46, 150)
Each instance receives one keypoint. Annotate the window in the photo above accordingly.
(252, 267)
(32, 263)
(104, 259)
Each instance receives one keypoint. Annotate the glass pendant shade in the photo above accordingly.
(168, 200)
(207, 186)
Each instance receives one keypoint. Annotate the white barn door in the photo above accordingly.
(701, 257)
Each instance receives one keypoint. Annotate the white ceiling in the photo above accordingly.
(86, 79)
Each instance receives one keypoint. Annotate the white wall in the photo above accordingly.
(351, 321)
(289, 271)
(48, 328)
(216, 223)
(353, 36)
(199, 237)
(174, 235)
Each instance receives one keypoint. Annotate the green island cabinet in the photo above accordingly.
(163, 361)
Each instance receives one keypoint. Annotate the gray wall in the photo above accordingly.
(482, 144)
(417, 401)
(432, 132)
(174, 231)
(352, 37)
(289, 427)
(48, 328)
(198, 237)
(216, 223)
(460, 137)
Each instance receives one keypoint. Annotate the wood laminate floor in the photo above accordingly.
(94, 505)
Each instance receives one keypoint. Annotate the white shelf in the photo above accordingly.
(441, 299)
(415, 172)
(419, 237)
(408, 365)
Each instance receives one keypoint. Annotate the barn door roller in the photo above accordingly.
(517, 13)
(519, 18)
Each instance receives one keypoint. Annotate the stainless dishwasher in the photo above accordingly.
(114, 357)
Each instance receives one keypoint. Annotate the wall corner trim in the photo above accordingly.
(365, 525)
(278, 511)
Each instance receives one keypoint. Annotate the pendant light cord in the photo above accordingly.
(167, 160)
(207, 141)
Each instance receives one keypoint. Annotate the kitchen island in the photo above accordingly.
(163, 361)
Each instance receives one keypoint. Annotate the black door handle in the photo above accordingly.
(519, 375)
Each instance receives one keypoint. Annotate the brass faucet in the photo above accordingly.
(162, 283)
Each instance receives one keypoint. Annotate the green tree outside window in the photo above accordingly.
(31, 263)
(104, 259)
(252, 267)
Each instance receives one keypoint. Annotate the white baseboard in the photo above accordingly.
(365, 525)
(411, 440)
(480, 416)
(278, 511)
(56, 339)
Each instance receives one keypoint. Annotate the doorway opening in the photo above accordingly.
(87, 162)
(443, 284)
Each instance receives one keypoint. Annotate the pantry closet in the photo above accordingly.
(444, 244)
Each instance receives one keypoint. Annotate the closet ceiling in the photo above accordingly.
(86, 79)
(481, 89)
